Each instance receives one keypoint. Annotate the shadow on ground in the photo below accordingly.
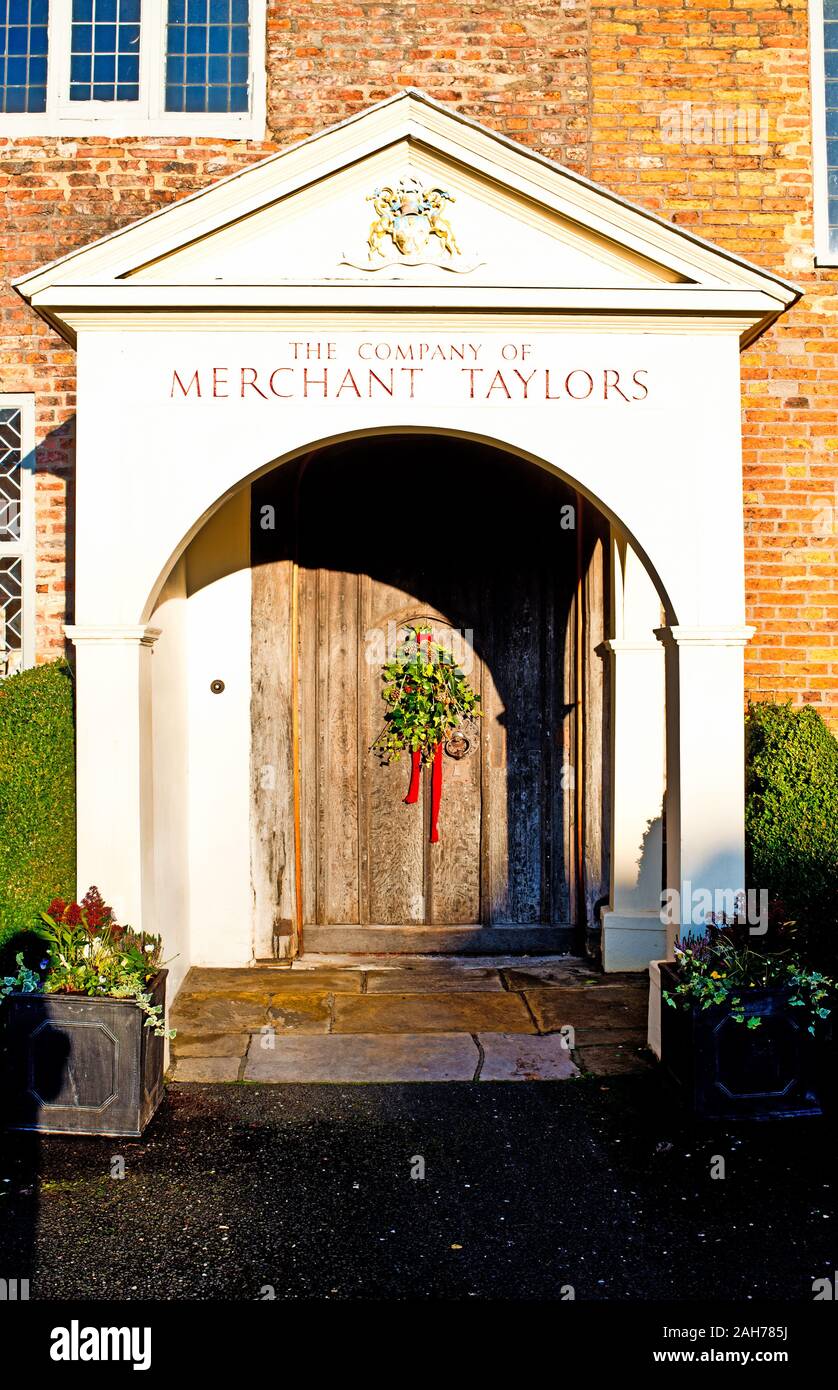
(599, 1184)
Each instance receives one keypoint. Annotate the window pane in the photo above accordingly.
(11, 614)
(11, 566)
(214, 36)
(10, 453)
(105, 50)
(23, 40)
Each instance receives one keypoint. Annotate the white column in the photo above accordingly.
(114, 767)
(633, 932)
(705, 800)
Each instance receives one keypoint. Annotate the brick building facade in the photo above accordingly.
(589, 84)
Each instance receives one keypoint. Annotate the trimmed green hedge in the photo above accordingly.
(791, 815)
(37, 794)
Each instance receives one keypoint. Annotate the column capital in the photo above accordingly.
(734, 636)
(110, 635)
(629, 644)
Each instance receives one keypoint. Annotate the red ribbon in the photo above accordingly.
(415, 773)
(436, 770)
(436, 792)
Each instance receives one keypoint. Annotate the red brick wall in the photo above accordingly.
(588, 84)
(756, 200)
(55, 195)
(518, 67)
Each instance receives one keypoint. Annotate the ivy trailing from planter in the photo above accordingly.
(428, 697)
(722, 966)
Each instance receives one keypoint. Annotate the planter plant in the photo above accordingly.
(83, 1035)
(746, 1026)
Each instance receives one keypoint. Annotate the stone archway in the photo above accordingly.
(212, 758)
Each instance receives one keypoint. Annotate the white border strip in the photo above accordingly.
(820, 194)
(24, 401)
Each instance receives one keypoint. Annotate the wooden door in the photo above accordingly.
(384, 553)
(386, 532)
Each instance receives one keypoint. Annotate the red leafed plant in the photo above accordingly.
(89, 952)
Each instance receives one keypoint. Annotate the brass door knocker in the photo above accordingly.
(457, 745)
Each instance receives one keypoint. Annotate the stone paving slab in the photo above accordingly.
(300, 1013)
(360, 1057)
(432, 1013)
(206, 1069)
(590, 1011)
(239, 982)
(210, 1045)
(433, 980)
(562, 976)
(264, 979)
(516, 1057)
(219, 1013)
(611, 1060)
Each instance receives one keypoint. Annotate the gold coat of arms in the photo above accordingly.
(411, 227)
(409, 216)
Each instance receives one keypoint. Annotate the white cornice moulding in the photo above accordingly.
(627, 644)
(714, 281)
(734, 636)
(107, 635)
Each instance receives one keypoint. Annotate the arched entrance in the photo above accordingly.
(349, 545)
(244, 325)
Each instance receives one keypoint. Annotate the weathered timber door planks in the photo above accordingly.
(392, 531)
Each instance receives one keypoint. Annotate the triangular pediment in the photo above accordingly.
(448, 203)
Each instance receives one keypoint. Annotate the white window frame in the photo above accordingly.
(820, 183)
(146, 116)
(24, 546)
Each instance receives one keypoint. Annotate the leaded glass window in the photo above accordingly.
(207, 55)
(23, 55)
(830, 63)
(11, 614)
(105, 50)
(10, 455)
(11, 564)
(134, 66)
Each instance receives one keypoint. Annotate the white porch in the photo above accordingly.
(241, 329)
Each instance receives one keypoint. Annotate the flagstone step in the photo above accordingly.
(380, 1018)
(376, 1057)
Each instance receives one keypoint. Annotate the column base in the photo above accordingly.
(630, 940)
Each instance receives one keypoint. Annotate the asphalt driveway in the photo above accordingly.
(247, 1191)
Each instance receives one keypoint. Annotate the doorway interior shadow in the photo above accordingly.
(391, 528)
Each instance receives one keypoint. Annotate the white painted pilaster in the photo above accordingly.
(705, 801)
(632, 930)
(114, 803)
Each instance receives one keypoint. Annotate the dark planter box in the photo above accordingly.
(75, 1064)
(727, 1071)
